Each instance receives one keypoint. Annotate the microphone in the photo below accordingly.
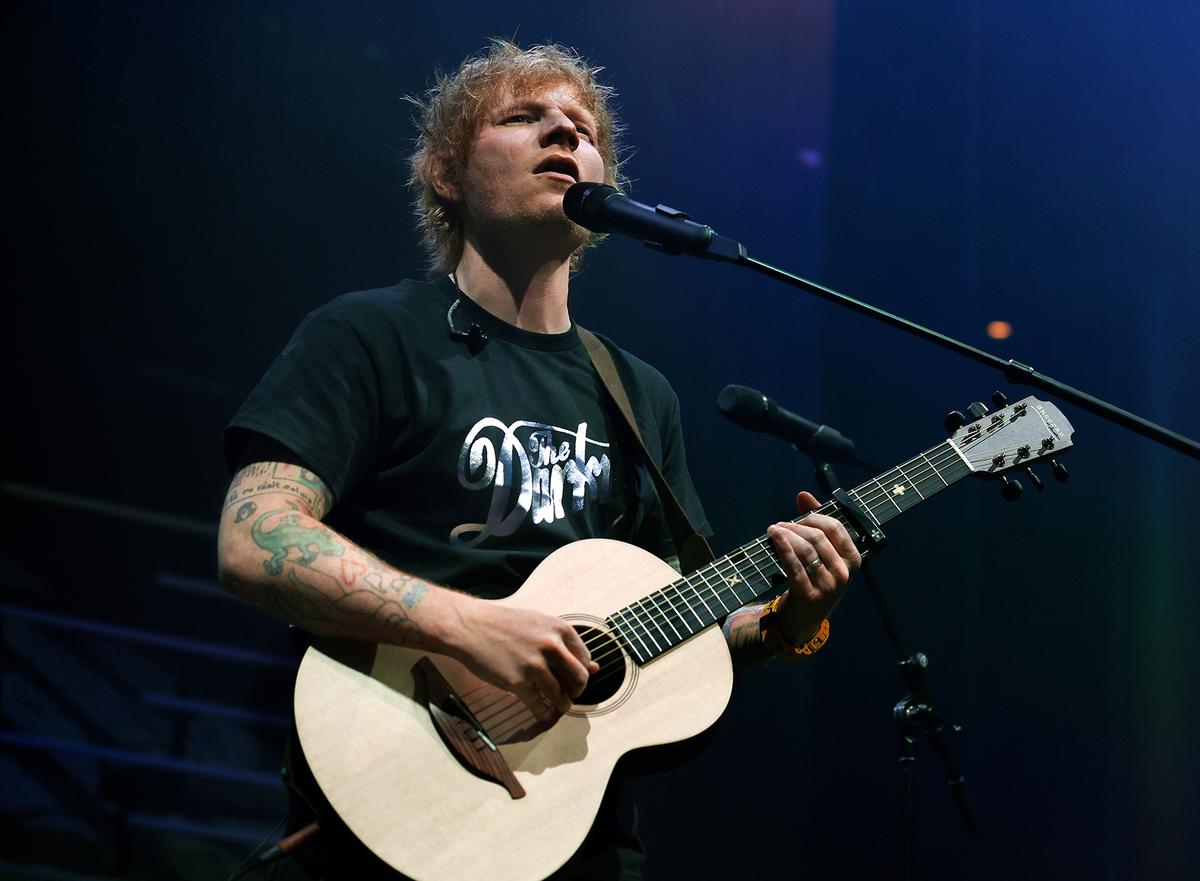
(753, 410)
(603, 209)
(474, 336)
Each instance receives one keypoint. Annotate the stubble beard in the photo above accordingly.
(541, 228)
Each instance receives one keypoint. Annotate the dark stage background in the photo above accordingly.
(187, 180)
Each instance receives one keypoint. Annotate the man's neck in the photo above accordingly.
(531, 295)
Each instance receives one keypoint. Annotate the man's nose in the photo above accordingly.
(559, 129)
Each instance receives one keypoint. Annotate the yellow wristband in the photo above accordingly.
(777, 644)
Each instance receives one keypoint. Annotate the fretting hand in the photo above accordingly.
(818, 556)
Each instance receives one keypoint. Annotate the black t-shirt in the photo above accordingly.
(466, 469)
(469, 468)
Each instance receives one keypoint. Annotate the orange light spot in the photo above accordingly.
(999, 330)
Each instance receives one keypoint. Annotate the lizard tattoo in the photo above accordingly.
(310, 541)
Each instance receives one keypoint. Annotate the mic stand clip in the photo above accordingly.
(710, 244)
(915, 715)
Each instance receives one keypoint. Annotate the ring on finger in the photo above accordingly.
(545, 699)
(812, 567)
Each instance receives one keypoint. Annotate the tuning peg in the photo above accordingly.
(1034, 479)
(954, 421)
(1011, 489)
(1060, 473)
(999, 400)
(977, 410)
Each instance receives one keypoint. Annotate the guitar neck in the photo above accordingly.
(683, 608)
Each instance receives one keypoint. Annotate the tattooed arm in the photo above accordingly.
(274, 552)
(741, 629)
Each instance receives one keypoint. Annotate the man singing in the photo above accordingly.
(417, 450)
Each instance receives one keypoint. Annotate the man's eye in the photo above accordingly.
(518, 117)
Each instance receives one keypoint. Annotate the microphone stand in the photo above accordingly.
(716, 247)
(914, 714)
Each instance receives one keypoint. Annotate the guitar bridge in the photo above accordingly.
(462, 732)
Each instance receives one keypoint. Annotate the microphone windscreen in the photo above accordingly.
(743, 406)
(583, 202)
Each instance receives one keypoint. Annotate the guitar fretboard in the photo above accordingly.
(672, 614)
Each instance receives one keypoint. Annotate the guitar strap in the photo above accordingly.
(691, 546)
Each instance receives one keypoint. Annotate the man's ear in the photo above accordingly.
(446, 191)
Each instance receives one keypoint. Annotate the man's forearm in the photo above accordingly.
(742, 632)
(276, 553)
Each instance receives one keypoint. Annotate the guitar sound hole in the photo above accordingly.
(605, 652)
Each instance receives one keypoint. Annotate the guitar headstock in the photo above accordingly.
(1014, 437)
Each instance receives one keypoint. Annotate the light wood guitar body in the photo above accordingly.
(382, 764)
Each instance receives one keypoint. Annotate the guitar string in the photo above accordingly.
(646, 611)
(523, 719)
(504, 702)
(506, 714)
(495, 726)
(928, 467)
(503, 724)
(484, 706)
(497, 713)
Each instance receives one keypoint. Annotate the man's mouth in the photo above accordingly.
(559, 165)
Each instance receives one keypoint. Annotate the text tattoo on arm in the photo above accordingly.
(262, 478)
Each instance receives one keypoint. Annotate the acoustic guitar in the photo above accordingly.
(447, 778)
